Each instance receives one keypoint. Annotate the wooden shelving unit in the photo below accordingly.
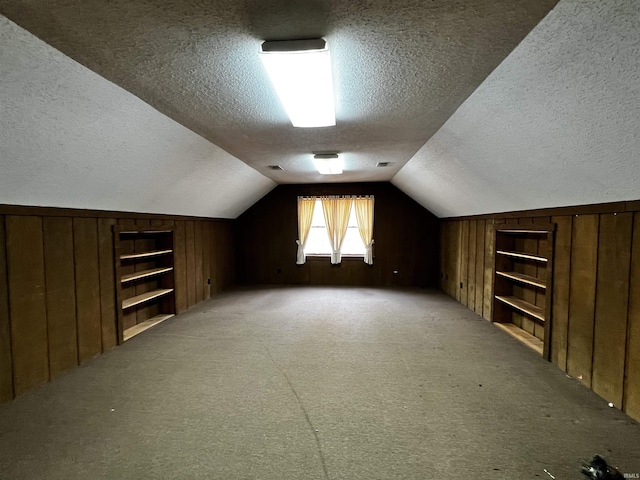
(144, 278)
(522, 283)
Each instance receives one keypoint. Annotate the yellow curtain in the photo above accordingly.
(305, 215)
(364, 215)
(336, 217)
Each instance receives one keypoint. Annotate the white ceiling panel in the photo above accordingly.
(70, 138)
(556, 124)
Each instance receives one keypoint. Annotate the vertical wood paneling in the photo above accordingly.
(199, 265)
(612, 296)
(480, 254)
(489, 265)
(27, 302)
(464, 262)
(108, 305)
(582, 294)
(190, 245)
(632, 364)
(6, 363)
(60, 294)
(85, 242)
(180, 266)
(560, 297)
(471, 272)
(206, 258)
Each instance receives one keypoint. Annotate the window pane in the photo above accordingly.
(318, 240)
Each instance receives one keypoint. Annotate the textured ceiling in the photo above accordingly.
(401, 67)
(556, 124)
(70, 138)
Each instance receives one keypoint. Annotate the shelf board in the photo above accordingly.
(130, 277)
(521, 277)
(153, 253)
(540, 232)
(526, 256)
(140, 232)
(147, 324)
(521, 305)
(145, 297)
(529, 340)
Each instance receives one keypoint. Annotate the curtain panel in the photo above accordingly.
(364, 216)
(305, 215)
(336, 216)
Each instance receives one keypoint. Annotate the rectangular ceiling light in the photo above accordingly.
(328, 164)
(300, 71)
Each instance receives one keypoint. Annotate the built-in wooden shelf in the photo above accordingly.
(523, 306)
(144, 274)
(521, 277)
(147, 324)
(154, 253)
(529, 340)
(526, 256)
(145, 297)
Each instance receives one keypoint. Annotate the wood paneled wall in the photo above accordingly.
(405, 234)
(595, 324)
(57, 291)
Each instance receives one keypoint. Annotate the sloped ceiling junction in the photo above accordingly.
(401, 69)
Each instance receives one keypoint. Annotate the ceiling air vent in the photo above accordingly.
(383, 164)
(274, 167)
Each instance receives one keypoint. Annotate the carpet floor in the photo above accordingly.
(293, 383)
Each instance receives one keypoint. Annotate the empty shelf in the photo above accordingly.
(142, 326)
(154, 253)
(521, 277)
(526, 256)
(144, 274)
(529, 340)
(145, 297)
(523, 231)
(523, 306)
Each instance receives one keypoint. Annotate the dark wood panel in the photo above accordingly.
(489, 265)
(463, 287)
(582, 294)
(6, 363)
(190, 245)
(631, 403)
(85, 242)
(480, 254)
(596, 208)
(560, 297)
(180, 266)
(108, 307)
(27, 302)
(471, 272)
(199, 265)
(60, 294)
(612, 296)
(206, 258)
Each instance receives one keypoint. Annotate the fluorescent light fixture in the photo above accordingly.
(300, 71)
(328, 163)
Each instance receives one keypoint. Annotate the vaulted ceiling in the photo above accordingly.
(74, 133)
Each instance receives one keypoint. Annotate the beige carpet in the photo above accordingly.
(315, 383)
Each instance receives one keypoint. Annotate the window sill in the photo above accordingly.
(318, 258)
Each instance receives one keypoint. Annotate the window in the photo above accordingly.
(318, 240)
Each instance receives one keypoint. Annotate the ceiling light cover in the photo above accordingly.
(300, 71)
(328, 164)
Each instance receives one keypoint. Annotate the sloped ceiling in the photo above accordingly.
(190, 121)
(401, 68)
(70, 138)
(556, 124)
